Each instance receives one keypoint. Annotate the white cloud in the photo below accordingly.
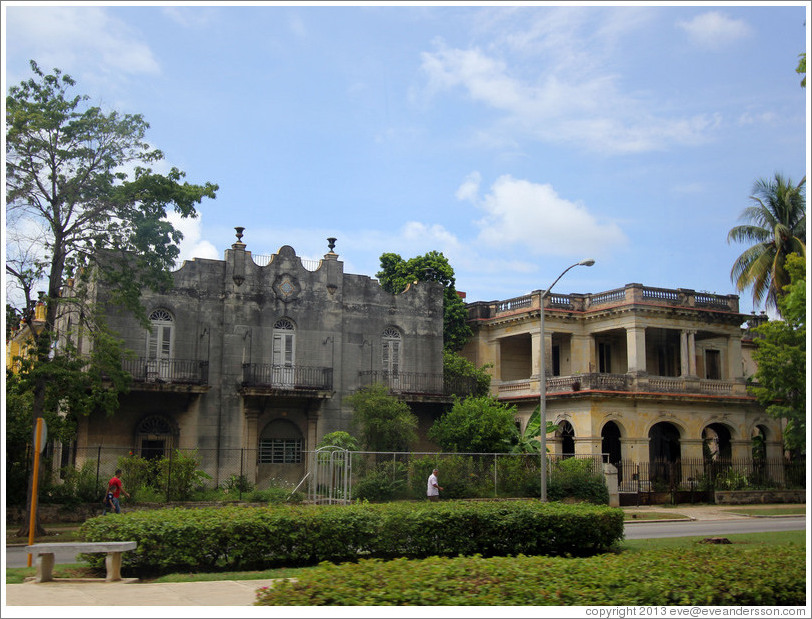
(532, 217)
(586, 110)
(297, 26)
(192, 16)
(715, 30)
(192, 245)
(469, 190)
(766, 118)
(81, 36)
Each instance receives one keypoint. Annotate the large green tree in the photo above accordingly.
(83, 202)
(476, 425)
(384, 422)
(776, 227)
(396, 274)
(780, 354)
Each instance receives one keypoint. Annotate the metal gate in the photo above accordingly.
(330, 476)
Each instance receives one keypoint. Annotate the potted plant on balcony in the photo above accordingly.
(576, 381)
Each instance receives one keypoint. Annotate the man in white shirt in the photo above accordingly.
(432, 489)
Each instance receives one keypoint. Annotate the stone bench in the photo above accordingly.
(45, 556)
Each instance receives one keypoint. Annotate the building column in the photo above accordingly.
(312, 430)
(735, 368)
(683, 353)
(687, 341)
(535, 355)
(692, 352)
(634, 449)
(588, 446)
(250, 444)
(582, 350)
(636, 349)
(691, 449)
(741, 449)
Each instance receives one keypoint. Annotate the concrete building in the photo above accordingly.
(249, 360)
(641, 374)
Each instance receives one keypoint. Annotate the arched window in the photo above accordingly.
(280, 443)
(284, 352)
(154, 437)
(391, 352)
(160, 342)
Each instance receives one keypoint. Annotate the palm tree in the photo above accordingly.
(777, 227)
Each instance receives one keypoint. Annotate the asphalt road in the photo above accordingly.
(712, 528)
(17, 557)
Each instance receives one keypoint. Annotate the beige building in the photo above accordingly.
(640, 374)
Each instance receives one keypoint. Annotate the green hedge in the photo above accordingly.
(234, 538)
(705, 575)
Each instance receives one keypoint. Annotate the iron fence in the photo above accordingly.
(703, 475)
(225, 474)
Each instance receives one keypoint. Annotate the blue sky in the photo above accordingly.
(515, 139)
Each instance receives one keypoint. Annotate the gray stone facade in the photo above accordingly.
(251, 363)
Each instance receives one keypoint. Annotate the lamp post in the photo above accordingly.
(543, 378)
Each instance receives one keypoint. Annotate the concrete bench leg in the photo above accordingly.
(45, 567)
(113, 565)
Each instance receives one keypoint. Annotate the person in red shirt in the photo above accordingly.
(114, 490)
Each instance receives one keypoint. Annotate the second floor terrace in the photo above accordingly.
(628, 295)
(593, 382)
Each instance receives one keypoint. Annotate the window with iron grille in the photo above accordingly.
(280, 451)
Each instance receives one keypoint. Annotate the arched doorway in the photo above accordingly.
(154, 437)
(566, 433)
(664, 453)
(716, 445)
(610, 446)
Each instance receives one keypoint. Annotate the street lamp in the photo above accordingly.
(543, 378)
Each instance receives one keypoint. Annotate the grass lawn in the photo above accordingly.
(795, 510)
(63, 532)
(18, 575)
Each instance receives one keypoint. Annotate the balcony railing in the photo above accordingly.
(632, 293)
(416, 383)
(621, 382)
(174, 371)
(287, 378)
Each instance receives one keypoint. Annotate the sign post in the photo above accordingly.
(40, 436)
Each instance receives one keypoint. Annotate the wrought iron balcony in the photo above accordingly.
(287, 378)
(167, 371)
(419, 384)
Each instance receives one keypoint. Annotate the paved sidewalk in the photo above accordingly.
(232, 592)
(131, 593)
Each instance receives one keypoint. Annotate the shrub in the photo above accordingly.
(179, 476)
(234, 537)
(237, 484)
(729, 576)
(78, 486)
(138, 477)
(383, 482)
(577, 478)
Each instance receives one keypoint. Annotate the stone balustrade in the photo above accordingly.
(595, 381)
(630, 294)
